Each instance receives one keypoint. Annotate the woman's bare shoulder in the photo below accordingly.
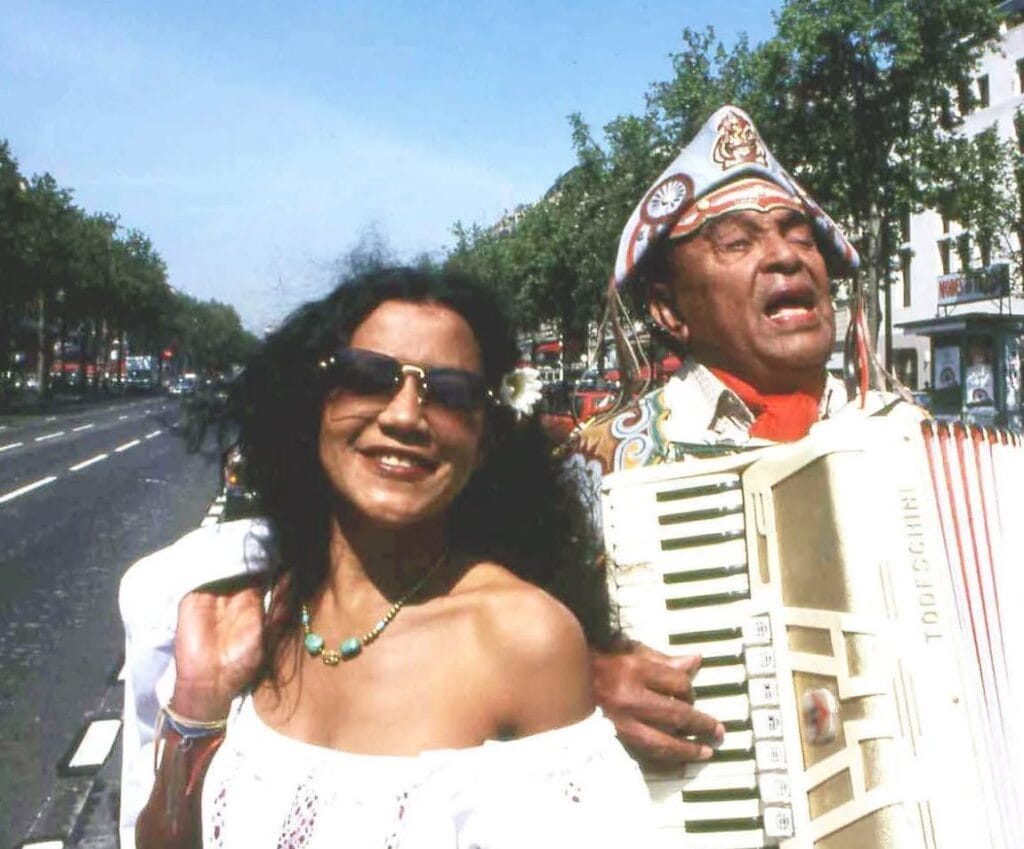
(534, 644)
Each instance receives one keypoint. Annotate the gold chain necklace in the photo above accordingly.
(352, 646)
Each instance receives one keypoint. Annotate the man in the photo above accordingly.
(731, 260)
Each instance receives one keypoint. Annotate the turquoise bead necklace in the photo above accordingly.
(352, 646)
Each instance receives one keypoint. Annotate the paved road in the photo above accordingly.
(83, 494)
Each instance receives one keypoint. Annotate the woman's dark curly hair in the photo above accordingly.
(520, 508)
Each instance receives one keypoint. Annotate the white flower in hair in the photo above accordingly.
(521, 390)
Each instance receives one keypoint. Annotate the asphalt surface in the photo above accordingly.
(84, 492)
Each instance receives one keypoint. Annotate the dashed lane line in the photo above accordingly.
(42, 844)
(94, 747)
(121, 418)
(50, 436)
(10, 445)
(127, 445)
(28, 488)
(81, 427)
(88, 462)
(154, 433)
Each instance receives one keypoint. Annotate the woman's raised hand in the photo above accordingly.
(218, 647)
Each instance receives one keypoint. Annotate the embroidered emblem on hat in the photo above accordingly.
(738, 143)
(666, 199)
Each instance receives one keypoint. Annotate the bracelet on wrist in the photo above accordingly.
(191, 729)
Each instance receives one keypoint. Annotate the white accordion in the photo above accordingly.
(855, 598)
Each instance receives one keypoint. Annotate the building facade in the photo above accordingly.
(956, 329)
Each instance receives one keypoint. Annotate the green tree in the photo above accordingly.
(862, 101)
(983, 180)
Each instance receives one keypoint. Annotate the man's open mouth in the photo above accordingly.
(791, 302)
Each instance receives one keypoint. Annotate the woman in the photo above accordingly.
(430, 599)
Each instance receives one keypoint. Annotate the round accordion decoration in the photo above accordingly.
(666, 199)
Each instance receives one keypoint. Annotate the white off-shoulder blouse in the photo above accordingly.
(572, 786)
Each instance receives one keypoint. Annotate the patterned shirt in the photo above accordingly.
(693, 414)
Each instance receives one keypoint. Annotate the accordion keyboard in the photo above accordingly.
(682, 586)
(864, 704)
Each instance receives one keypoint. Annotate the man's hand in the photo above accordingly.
(649, 697)
(218, 646)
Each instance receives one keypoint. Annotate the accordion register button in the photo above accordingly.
(760, 660)
(764, 692)
(774, 788)
(770, 754)
(778, 822)
(757, 631)
(767, 723)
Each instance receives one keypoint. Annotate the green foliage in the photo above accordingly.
(983, 177)
(68, 275)
(856, 97)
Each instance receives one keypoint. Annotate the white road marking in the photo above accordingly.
(43, 844)
(12, 495)
(215, 510)
(154, 433)
(121, 418)
(11, 445)
(81, 427)
(49, 436)
(89, 462)
(209, 520)
(3, 427)
(51, 418)
(98, 740)
(127, 445)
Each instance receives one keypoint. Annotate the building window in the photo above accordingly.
(983, 91)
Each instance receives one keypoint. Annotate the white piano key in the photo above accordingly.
(752, 839)
(733, 741)
(695, 620)
(647, 550)
(714, 676)
(725, 708)
(728, 775)
(732, 649)
(724, 810)
(630, 595)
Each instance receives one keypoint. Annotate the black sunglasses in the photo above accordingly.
(369, 373)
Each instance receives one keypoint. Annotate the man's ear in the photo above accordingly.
(665, 312)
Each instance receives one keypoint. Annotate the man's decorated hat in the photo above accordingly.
(727, 167)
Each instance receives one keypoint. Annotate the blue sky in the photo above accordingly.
(255, 143)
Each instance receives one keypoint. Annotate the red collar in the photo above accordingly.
(781, 418)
